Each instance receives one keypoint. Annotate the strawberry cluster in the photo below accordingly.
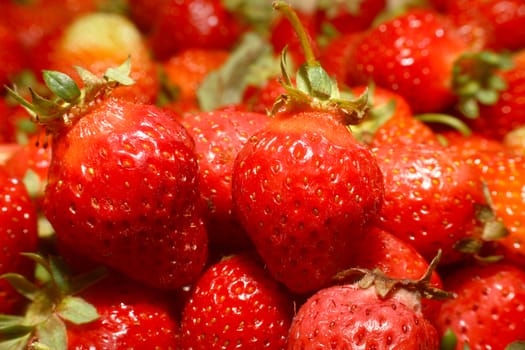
(211, 174)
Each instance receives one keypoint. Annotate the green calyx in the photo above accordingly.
(385, 285)
(475, 82)
(68, 100)
(52, 303)
(314, 89)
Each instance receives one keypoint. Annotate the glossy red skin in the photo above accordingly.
(498, 24)
(219, 136)
(397, 259)
(488, 311)
(430, 198)
(236, 303)
(503, 173)
(420, 47)
(131, 317)
(508, 112)
(185, 24)
(123, 190)
(335, 55)
(305, 190)
(261, 99)
(350, 317)
(18, 234)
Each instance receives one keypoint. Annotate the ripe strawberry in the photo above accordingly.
(12, 55)
(303, 188)
(335, 54)
(96, 42)
(397, 259)
(186, 24)
(219, 135)
(82, 312)
(432, 198)
(185, 71)
(508, 112)
(123, 181)
(237, 304)
(491, 21)
(261, 99)
(487, 312)
(356, 316)
(18, 234)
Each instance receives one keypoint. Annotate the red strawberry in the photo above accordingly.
(397, 259)
(487, 312)
(508, 112)
(81, 312)
(350, 17)
(432, 198)
(357, 316)
(123, 182)
(219, 135)
(12, 55)
(261, 99)
(335, 54)
(413, 55)
(18, 234)
(186, 24)
(96, 42)
(303, 187)
(491, 21)
(236, 303)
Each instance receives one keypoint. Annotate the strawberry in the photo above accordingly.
(487, 312)
(491, 21)
(85, 312)
(103, 148)
(12, 55)
(261, 99)
(96, 42)
(185, 71)
(397, 259)
(303, 188)
(335, 54)
(185, 24)
(508, 112)
(432, 198)
(219, 135)
(236, 303)
(361, 315)
(351, 17)
(18, 234)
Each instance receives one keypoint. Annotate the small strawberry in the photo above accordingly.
(303, 188)
(186, 24)
(487, 312)
(373, 313)
(96, 42)
(123, 180)
(236, 303)
(18, 234)
(432, 198)
(85, 312)
(219, 136)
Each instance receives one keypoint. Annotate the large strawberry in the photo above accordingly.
(487, 312)
(82, 312)
(18, 234)
(236, 303)
(123, 181)
(219, 135)
(372, 313)
(432, 198)
(303, 187)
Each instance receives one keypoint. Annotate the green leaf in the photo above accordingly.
(15, 344)
(52, 333)
(59, 272)
(517, 345)
(21, 284)
(87, 279)
(449, 340)
(227, 84)
(28, 106)
(61, 85)
(15, 331)
(120, 74)
(10, 320)
(77, 310)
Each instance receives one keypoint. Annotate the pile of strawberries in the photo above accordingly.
(210, 174)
